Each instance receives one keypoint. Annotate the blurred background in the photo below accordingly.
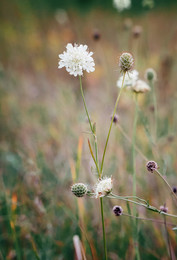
(44, 131)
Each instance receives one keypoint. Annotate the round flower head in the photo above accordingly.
(79, 189)
(130, 79)
(117, 210)
(103, 187)
(150, 74)
(76, 59)
(126, 62)
(120, 5)
(151, 166)
(141, 87)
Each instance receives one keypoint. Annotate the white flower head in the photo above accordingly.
(130, 79)
(76, 59)
(141, 87)
(103, 187)
(120, 5)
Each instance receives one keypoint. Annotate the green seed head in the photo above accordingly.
(126, 62)
(79, 189)
(150, 74)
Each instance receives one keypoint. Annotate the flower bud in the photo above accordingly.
(175, 189)
(79, 189)
(164, 208)
(117, 210)
(126, 62)
(150, 74)
(151, 166)
(115, 119)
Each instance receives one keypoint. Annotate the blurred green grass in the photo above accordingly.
(43, 119)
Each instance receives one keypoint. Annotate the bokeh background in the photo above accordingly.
(44, 131)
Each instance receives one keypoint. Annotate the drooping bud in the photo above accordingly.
(117, 210)
(79, 189)
(126, 62)
(164, 208)
(151, 166)
(115, 119)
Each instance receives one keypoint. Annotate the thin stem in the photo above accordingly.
(166, 182)
(91, 127)
(149, 219)
(155, 108)
(82, 93)
(133, 145)
(103, 229)
(117, 101)
(168, 238)
(147, 206)
(130, 141)
(135, 226)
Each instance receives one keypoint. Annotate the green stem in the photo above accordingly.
(168, 238)
(155, 109)
(91, 126)
(133, 145)
(147, 206)
(166, 182)
(82, 93)
(103, 229)
(117, 101)
(135, 226)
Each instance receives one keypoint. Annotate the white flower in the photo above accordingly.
(130, 79)
(103, 187)
(76, 59)
(122, 4)
(141, 86)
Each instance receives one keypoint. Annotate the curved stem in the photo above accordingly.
(147, 206)
(103, 228)
(117, 101)
(166, 182)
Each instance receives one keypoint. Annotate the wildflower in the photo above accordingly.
(117, 210)
(164, 208)
(130, 79)
(140, 87)
(126, 62)
(76, 59)
(120, 5)
(150, 74)
(151, 166)
(79, 189)
(103, 187)
(115, 119)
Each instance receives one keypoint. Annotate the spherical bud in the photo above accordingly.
(164, 208)
(150, 75)
(137, 30)
(117, 210)
(115, 119)
(126, 62)
(151, 166)
(79, 189)
(175, 189)
(96, 35)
